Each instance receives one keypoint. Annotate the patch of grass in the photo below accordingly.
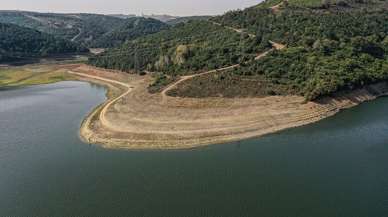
(307, 3)
(3, 77)
(226, 84)
(161, 81)
(25, 76)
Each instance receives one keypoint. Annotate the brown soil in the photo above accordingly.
(135, 119)
(276, 8)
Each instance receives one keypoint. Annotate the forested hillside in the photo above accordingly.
(161, 17)
(331, 46)
(90, 30)
(183, 49)
(132, 28)
(80, 28)
(334, 46)
(18, 42)
(179, 20)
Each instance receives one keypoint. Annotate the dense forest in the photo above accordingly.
(184, 49)
(344, 46)
(132, 28)
(57, 25)
(180, 20)
(18, 42)
(331, 46)
(90, 30)
(79, 28)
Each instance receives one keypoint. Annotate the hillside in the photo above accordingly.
(132, 28)
(81, 28)
(122, 16)
(185, 48)
(331, 46)
(336, 46)
(90, 30)
(18, 42)
(161, 17)
(179, 20)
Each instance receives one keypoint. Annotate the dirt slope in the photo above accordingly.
(140, 120)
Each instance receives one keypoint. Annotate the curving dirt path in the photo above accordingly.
(235, 29)
(104, 109)
(78, 35)
(188, 77)
(276, 46)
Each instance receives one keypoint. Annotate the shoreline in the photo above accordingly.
(117, 136)
(134, 119)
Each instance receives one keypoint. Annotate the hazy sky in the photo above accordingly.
(173, 7)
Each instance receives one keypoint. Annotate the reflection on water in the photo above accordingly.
(337, 167)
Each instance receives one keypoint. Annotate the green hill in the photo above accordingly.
(179, 20)
(325, 4)
(183, 49)
(331, 46)
(161, 17)
(18, 43)
(341, 47)
(80, 28)
(132, 28)
(90, 30)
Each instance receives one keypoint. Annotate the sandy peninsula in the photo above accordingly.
(132, 118)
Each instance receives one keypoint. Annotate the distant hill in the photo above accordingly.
(178, 20)
(90, 30)
(132, 28)
(174, 20)
(164, 18)
(19, 42)
(80, 28)
(122, 16)
(60, 25)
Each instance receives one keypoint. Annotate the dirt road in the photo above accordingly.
(235, 29)
(78, 35)
(276, 46)
(188, 77)
(102, 115)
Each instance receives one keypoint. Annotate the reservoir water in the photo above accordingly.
(337, 167)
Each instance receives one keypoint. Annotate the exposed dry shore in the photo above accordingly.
(132, 118)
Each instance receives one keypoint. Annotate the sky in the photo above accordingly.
(138, 7)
